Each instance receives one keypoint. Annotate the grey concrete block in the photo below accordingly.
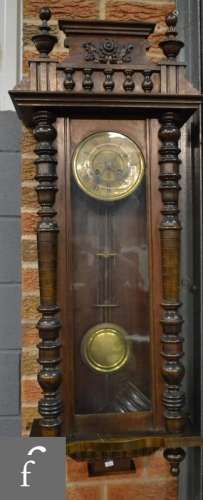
(10, 131)
(10, 427)
(9, 183)
(9, 250)
(10, 314)
(9, 383)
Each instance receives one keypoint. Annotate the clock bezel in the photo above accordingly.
(103, 198)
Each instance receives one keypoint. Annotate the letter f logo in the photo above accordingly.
(25, 470)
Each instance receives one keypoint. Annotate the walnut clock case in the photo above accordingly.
(107, 124)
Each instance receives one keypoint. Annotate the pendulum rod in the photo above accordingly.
(106, 258)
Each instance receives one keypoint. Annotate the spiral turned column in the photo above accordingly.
(170, 231)
(50, 406)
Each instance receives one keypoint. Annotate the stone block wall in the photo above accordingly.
(152, 480)
(10, 302)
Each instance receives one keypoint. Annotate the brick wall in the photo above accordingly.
(152, 480)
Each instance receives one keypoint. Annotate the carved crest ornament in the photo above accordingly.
(108, 51)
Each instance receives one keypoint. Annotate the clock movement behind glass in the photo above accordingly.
(107, 124)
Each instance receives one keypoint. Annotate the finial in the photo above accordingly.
(171, 47)
(45, 14)
(44, 41)
(171, 20)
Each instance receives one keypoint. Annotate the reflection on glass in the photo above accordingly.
(111, 303)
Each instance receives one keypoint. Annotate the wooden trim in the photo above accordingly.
(170, 228)
(50, 406)
(130, 446)
(154, 204)
(64, 104)
(106, 28)
(64, 270)
(109, 422)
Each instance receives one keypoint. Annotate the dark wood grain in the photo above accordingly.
(132, 446)
(170, 229)
(50, 407)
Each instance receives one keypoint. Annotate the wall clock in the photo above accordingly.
(107, 124)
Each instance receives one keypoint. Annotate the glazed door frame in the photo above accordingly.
(63, 205)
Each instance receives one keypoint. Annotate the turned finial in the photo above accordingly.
(44, 41)
(45, 16)
(171, 20)
(171, 46)
(174, 456)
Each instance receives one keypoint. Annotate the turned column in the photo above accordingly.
(170, 232)
(50, 406)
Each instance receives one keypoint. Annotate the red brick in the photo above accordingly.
(29, 308)
(29, 250)
(73, 9)
(29, 222)
(138, 11)
(29, 364)
(28, 141)
(30, 280)
(84, 493)
(157, 466)
(29, 197)
(28, 170)
(163, 490)
(155, 54)
(28, 415)
(30, 336)
(76, 471)
(31, 391)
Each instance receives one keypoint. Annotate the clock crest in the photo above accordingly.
(108, 52)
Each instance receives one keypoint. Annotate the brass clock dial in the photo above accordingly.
(108, 166)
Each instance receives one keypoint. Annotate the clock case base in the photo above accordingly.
(120, 450)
